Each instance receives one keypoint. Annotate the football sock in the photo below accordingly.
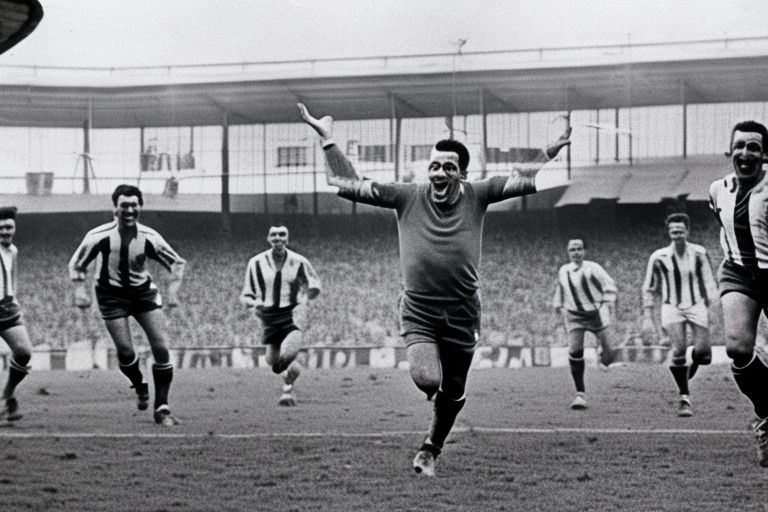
(16, 374)
(445, 411)
(752, 380)
(577, 371)
(163, 375)
(132, 371)
(680, 373)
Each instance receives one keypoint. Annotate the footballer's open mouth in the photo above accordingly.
(440, 185)
(747, 166)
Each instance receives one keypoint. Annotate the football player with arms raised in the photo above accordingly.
(440, 226)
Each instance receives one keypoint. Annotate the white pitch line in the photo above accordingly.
(362, 435)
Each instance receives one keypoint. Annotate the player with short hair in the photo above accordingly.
(12, 328)
(124, 288)
(682, 275)
(585, 297)
(440, 230)
(740, 202)
(278, 285)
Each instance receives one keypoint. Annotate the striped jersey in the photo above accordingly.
(743, 216)
(8, 273)
(681, 281)
(583, 288)
(286, 287)
(122, 258)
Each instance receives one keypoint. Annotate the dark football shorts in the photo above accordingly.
(117, 302)
(10, 315)
(750, 282)
(453, 322)
(592, 321)
(278, 324)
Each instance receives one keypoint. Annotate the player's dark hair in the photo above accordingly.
(278, 225)
(749, 126)
(127, 190)
(458, 148)
(679, 217)
(8, 212)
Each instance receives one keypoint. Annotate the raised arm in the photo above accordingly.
(340, 170)
(341, 173)
(522, 179)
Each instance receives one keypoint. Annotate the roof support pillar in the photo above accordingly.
(684, 104)
(394, 135)
(484, 130)
(226, 222)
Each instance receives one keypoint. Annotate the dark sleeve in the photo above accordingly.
(491, 190)
(386, 195)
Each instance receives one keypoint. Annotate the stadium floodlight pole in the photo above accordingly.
(459, 44)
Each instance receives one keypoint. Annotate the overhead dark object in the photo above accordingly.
(18, 18)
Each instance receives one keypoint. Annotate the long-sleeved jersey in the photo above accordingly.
(266, 285)
(440, 248)
(123, 256)
(743, 217)
(681, 281)
(583, 288)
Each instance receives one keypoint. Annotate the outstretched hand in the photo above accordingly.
(323, 126)
(554, 148)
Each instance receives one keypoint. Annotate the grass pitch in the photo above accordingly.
(348, 445)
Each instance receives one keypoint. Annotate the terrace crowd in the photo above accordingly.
(359, 268)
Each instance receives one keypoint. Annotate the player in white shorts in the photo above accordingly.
(681, 275)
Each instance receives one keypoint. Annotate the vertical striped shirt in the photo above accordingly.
(743, 216)
(583, 288)
(123, 257)
(8, 273)
(681, 281)
(266, 285)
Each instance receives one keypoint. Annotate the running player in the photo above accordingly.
(124, 288)
(440, 229)
(740, 203)
(585, 297)
(682, 275)
(278, 285)
(12, 328)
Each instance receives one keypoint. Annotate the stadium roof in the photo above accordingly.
(547, 79)
(649, 181)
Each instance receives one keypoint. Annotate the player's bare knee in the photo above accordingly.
(738, 351)
(426, 380)
(22, 356)
(125, 355)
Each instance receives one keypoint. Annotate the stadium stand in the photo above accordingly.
(357, 260)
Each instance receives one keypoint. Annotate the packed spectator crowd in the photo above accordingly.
(360, 272)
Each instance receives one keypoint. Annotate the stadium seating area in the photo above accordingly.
(357, 260)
